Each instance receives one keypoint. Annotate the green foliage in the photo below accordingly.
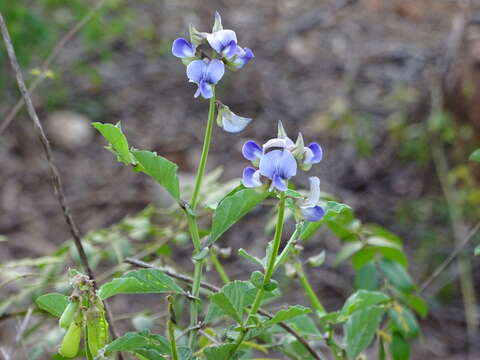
(287, 314)
(397, 275)
(475, 156)
(362, 299)
(144, 281)
(161, 170)
(144, 343)
(230, 300)
(232, 208)
(53, 303)
(360, 329)
(399, 347)
(117, 140)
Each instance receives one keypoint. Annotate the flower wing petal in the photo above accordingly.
(251, 151)
(251, 177)
(181, 48)
(205, 89)
(196, 71)
(317, 153)
(279, 183)
(214, 71)
(233, 123)
(313, 213)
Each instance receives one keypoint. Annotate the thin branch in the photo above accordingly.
(213, 288)
(450, 258)
(48, 61)
(57, 182)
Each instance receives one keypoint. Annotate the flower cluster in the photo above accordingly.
(204, 70)
(206, 55)
(277, 161)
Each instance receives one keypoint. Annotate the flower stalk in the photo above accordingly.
(193, 225)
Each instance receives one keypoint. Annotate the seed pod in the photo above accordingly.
(97, 328)
(71, 341)
(68, 314)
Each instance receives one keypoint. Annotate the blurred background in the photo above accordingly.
(387, 87)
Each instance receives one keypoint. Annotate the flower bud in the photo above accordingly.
(71, 341)
(68, 314)
(229, 121)
(196, 37)
(217, 25)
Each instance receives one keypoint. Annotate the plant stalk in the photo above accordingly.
(193, 225)
(268, 273)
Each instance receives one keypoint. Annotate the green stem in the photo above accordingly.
(173, 343)
(268, 273)
(205, 150)
(288, 248)
(193, 225)
(219, 268)
(312, 297)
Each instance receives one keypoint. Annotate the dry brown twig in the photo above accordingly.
(47, 62)
(213, 288)
(57, 181)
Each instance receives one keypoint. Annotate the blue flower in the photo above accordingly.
(181, 48)
(205, 74)
(278, 166)
(310, 209)
(229, 121)
(251, 177)
(224, 42)
(241, 58)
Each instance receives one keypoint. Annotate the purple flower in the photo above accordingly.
(278, 166)
(251, 177)
(313, 153)
(310, 209)
(241, 58)
(182, 49)
(251, 151)
(205, 74)
(229, 121)
(223, 42)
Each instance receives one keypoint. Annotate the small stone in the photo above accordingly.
(69, 130)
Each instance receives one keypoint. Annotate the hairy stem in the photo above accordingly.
(193, 226)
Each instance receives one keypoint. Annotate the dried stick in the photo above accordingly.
(47, 62)
(213, 288)
(57, 182)
(450, 258)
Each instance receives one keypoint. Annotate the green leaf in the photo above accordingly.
(118, 142)
(347, 251)
(232, 208)
(367, 277)
(162, 170)
(397, 275)
(418, 304)
(144, 281)
(404, 321)
(399, 348)
(287, 314)
(475, 156)
(184, 353)
(362, 299)
(144, 343)
(219, 352)
(231, 299)
(304, 325)
(477, 251)
(52, 303)
(360, 329)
